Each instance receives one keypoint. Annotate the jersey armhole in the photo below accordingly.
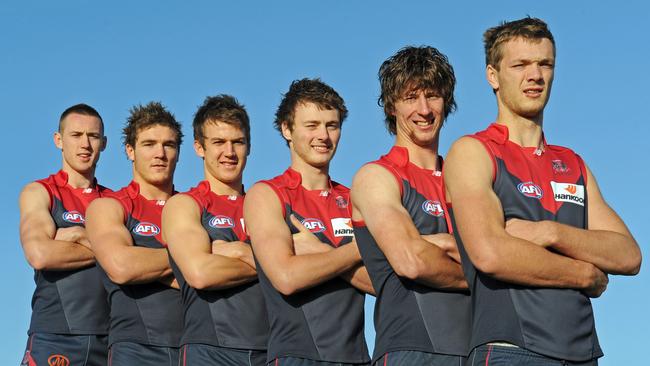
(491, 153)
(583, 170)
(200, 202)
(48, 189)
(280, 194)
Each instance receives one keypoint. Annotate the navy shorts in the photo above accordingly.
(195, 354)
(65, 350)
(296, 361)
(410, 358)
(495, 355)
(131, 354)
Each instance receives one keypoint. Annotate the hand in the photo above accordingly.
(74, 234)
(304, 241)
(446, 242)
(537, 232)
(598, 282)
(234, 249)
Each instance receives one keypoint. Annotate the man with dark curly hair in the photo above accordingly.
(124, 230)
(422, 310)
(299, 223)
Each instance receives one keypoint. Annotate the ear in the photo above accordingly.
(492, 76)
(286, 131)
(198, 149)
(130, 152)
(58, 140)
(102, 147)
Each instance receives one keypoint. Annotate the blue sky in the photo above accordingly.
(113, 55)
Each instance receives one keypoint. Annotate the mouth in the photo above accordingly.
(159, 166)
(84, 156)
(228, 164)
(533, 92)
(322, 148)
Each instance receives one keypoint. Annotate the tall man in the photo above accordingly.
(538, 237)
(225, 315)
(69, 321)
(124, 231)
(312, 281)
(422, 314)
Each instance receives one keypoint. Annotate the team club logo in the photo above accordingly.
(146, 229)
(58, 360)
(73, 217)
(341, 202)
(433, 208)
(530, 189)
(567, 192)
(221, 222)
(342, 226)
(314, 225)
(560, 167)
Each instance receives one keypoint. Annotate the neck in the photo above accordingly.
(224, 189)
(425, 157)
(155, 191)
(79, 180)
(312, 177)
(523, 131)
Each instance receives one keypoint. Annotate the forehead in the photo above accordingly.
(312, 112)
(156, 132)
(528, 49)
(81, 122)
(220, 129)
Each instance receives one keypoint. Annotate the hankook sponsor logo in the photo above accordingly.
(569, 192)
(342, 226)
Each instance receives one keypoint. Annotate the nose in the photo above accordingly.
(534, 72)
(159, 151)
(85, 141)
(422, 105)
(322, 133)
(229, 149)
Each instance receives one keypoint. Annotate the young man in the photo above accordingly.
(69, 321)
(124, 231)
(538, 237)
(312, 281)
(225, 315)
(422, 314)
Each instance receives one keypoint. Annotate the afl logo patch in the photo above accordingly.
(314, 225)
(221, 222)
(433, 208)
(146, 229)
(530, 189)
(58, 360)
(73, 217)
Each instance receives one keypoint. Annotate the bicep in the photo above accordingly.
(182, 230)
(36, 222)
(600, 215)
(105, 227)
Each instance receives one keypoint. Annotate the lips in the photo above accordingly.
(533, 91)
(321, 148)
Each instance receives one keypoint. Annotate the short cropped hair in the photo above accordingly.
(532, 29)
(308, 91)
(223, 108)
(152, 114)
(415, 68)
(83, 109)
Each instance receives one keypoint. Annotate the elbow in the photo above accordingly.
(118, 272)
(486, 262)
(632, 265)
(37, 260)
(198, 280)
(285, 285)
(411, 269)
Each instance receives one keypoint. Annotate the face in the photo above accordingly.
(419, 115)
(525, 76)
(154, 155)
(224, 151)
(81, 141)
(315, 134)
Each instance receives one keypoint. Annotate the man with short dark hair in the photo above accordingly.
(146, 318)
(422, 312)
(69, 323)
(536, 236)
(299, 222)
(225, 316)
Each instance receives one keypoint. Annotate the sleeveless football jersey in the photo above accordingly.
(234, 317)
(534, 185)
(410, 316)
(325, 322)
(148, 313)
(69, 302)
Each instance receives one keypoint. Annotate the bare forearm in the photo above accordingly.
(58, 255)
(358, 277)
(214, 271)
(611, 252)
(441, 271)
(135, 265)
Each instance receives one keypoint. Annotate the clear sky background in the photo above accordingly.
(115, 54)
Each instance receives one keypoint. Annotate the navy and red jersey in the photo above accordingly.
(148, 313)
(534, 184)
(69, 302)
(234, 317)
(325, 322)
(410, 316)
